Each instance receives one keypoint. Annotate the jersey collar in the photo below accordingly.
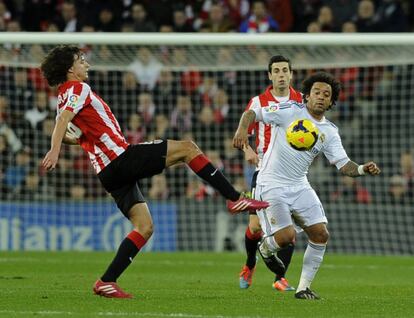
(270, 96)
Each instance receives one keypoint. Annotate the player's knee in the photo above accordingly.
(186, 150)
(325, 236)
(287, 238)
(321, 237)
(146, 230)
(191, 147)
(285, 241)
(255, 228)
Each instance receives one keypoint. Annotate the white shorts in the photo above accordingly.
(297, 205)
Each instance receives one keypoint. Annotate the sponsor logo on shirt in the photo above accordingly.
(62, 97)
(315, 150)
(272, 108)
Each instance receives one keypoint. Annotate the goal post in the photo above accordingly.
(150, 81)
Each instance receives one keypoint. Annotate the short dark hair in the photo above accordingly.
(322, 77)
(277, 59)
(57, 62)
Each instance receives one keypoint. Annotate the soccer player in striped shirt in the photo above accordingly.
(84, 118)
(282, 179)
(280, 74)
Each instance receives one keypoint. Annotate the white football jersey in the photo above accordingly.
(285, 166)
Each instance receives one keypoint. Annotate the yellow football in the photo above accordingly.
(302, 134)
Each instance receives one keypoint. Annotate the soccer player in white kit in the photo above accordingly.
(282, 178)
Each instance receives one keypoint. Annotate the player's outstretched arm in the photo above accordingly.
(240, 138)
(352, 169)
(51, 158)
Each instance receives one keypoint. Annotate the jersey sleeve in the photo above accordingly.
(77, 96)
(335, 152)
(275, 113)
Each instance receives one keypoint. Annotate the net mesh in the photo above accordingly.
(199, 92)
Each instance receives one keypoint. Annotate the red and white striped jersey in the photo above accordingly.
(101, 137)
(263, 131)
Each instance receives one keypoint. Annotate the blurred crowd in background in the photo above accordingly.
(205, 107)
(151, 101)
(248, 16)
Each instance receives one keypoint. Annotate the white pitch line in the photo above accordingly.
(172, 315)
(119, 314)
(40, 312)
(347, 266)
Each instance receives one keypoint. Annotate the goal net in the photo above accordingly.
(196, 87)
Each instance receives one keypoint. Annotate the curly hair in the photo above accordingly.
(57, 62)
(322, 77)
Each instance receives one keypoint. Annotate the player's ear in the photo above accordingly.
(269, 75)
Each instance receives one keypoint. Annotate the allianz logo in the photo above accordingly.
(14, 235)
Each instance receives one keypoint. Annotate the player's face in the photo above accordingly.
(319, 99)
(280, 75)
(79, 69)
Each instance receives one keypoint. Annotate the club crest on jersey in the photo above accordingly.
(73, 100)
(322, 137)
(317, 148)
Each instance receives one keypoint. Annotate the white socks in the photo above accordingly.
(311, 262)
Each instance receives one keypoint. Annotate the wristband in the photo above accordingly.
(361, 170)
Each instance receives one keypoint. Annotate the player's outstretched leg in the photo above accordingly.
(140, 217)
(285, 255)
(251, 240)
(188, 152)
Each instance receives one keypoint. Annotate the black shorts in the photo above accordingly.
(253, 188)
(121, 177)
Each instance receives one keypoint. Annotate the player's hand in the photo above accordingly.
(250, 155)
(371, 168)
(240, 139)
(50, 160)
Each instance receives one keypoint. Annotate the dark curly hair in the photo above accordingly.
(322, 77)
(57, 62)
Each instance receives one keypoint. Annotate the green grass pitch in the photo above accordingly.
(201, 285)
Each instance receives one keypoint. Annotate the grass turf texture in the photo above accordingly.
(201, 285)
